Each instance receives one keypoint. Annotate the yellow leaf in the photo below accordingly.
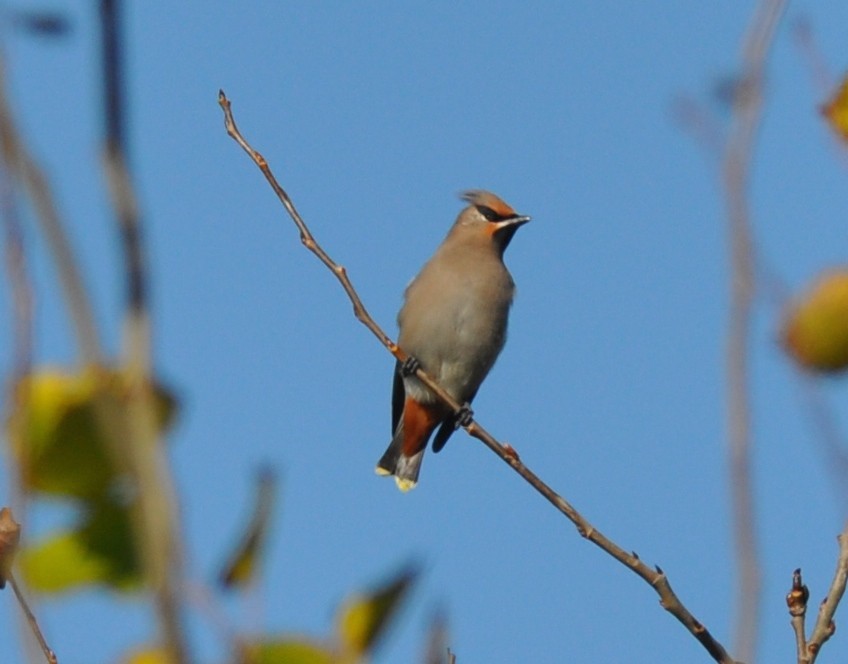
(815, 331)
(364, 618)
(836, 110)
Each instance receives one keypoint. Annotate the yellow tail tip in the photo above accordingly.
(404, 484)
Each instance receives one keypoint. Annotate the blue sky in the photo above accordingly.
(374, 115)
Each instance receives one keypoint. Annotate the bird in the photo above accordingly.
(453, 325)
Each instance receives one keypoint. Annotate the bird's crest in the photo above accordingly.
(486, 199)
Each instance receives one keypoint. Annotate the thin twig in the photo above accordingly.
(33, 623)
(747, 111)
(800, 638)
(805, 40)
(796, 600)
(655, 577)
(825, 626)
(157, 534)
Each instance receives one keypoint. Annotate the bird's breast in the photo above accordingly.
(455, 324)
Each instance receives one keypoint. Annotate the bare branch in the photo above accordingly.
(825, 626)
(747, 110)
(796, 600)
(10, 537)
(656, 578)
(49, 655)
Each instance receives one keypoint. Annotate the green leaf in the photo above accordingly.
(364, 618)
(99, 551)
(288, 651)
(55, 434)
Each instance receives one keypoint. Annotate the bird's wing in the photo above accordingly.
(447, 428)
(398, 397)
(444, 432)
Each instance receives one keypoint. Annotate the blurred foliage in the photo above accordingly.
(242, 566)
(364, 618)
(836, 110)
(67, 431)
(815, 331)
(361, 623)
(57, 435)
(288, 651)
(99, 550)
(57, 432)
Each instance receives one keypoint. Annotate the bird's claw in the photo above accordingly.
(464, 416)
(409, 366)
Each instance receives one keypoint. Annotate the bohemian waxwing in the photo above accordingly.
(453, 322)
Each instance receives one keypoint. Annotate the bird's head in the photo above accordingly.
(488, 216)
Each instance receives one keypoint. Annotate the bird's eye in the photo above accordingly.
(489, 213)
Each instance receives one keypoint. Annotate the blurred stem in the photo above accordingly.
(21, 287)
(20, 169)
(22, 308)
(747, 111)
(22, 166)
(155, 519)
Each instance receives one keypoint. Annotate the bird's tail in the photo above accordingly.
(394, 462)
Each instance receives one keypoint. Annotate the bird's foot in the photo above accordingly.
(409, 366)
(464, 416)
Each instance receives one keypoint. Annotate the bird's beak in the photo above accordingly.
(512, 222)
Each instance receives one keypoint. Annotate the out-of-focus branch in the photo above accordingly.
(155, 527)
(19, 170)
(802, 33)
(22, 167)
(655, 577)
(745, 123)
(20, 286)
